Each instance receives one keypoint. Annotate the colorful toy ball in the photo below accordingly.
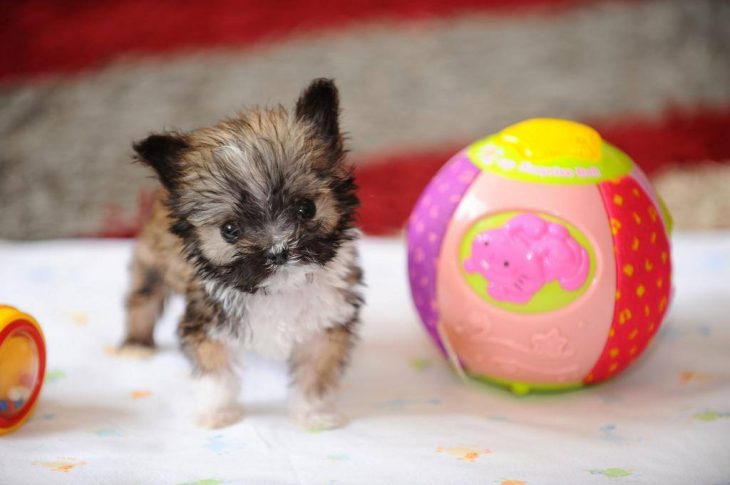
(22, 367)
(539, 258)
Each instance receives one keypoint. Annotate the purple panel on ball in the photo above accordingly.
(426, 229)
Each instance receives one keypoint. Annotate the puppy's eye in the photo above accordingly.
(306, 209)
(230, 232)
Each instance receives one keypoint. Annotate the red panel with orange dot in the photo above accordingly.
(643, 273)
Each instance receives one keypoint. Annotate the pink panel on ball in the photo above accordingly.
(554, 347)
(426, 228)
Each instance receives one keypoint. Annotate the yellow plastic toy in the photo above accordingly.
(22, 367)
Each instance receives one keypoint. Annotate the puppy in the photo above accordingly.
(254, 223)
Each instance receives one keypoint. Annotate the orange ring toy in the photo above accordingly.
(22, 367)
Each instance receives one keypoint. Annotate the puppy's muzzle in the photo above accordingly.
(278, 256)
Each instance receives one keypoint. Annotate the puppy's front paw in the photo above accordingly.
(132, 351)
(319, 419)
(221, 417)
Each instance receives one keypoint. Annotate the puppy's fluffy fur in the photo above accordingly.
(254, 224)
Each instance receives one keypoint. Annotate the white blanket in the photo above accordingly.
(102, 419)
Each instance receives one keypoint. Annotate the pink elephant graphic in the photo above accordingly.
(528, 252)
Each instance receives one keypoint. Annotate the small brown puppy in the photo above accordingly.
(254, 224)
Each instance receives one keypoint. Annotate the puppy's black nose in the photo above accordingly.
(278, 257)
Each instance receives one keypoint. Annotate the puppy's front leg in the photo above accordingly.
(144, 303)
(217, 384)
(316, 367)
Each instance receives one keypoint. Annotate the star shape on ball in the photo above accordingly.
(551, 344)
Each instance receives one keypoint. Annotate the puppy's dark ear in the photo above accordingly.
(319, 104)
(162, 152)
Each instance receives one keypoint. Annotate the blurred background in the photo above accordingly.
(419, 79)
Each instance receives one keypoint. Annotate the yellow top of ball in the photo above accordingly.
(547, 150)
(544, 139)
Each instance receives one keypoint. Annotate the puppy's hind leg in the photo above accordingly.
(316, 367)
(144, 304)
(216, 381)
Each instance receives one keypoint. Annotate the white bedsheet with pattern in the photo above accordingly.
(102, 419)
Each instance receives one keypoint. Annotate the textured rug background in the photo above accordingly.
(79, 81)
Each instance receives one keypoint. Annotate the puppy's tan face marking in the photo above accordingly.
(260, 190)
(213, 246)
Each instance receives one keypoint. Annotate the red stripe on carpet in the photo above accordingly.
(116, 225)
(389, 186)
(45, 36)
(680, 136)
